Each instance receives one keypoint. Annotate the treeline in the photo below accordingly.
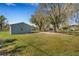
(4, 26)
(51, 16)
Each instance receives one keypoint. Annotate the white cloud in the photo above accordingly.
(10, 4)
(35, 4)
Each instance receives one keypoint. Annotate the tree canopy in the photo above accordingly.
(2, 22)
(53, 13)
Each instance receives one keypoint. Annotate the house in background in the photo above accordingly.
(74, 27)
(70, 28)
(20, 28)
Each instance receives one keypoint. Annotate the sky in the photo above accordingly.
(18, 12)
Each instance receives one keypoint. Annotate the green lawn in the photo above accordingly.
(37, 44)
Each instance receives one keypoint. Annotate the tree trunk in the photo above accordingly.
(39, 28)
(0, 27)
(55, 28)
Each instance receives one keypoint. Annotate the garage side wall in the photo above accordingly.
(20, 29)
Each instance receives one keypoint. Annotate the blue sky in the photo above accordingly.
(18, 12)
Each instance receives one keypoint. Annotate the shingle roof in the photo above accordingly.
(21, 23)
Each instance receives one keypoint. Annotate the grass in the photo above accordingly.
(39, 44)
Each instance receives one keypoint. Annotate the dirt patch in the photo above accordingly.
(50, 33)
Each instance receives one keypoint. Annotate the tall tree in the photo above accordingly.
(40, 20)
(2, 22)
(58, 13)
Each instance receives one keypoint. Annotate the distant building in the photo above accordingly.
(71, 28)
(74, 27)
(20, 28)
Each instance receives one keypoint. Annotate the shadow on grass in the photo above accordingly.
(12, 52)
(16, 50)
(2, 41)
(6, 42)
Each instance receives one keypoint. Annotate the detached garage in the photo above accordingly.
(20, 28)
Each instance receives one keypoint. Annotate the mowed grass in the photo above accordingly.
(40, 44)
